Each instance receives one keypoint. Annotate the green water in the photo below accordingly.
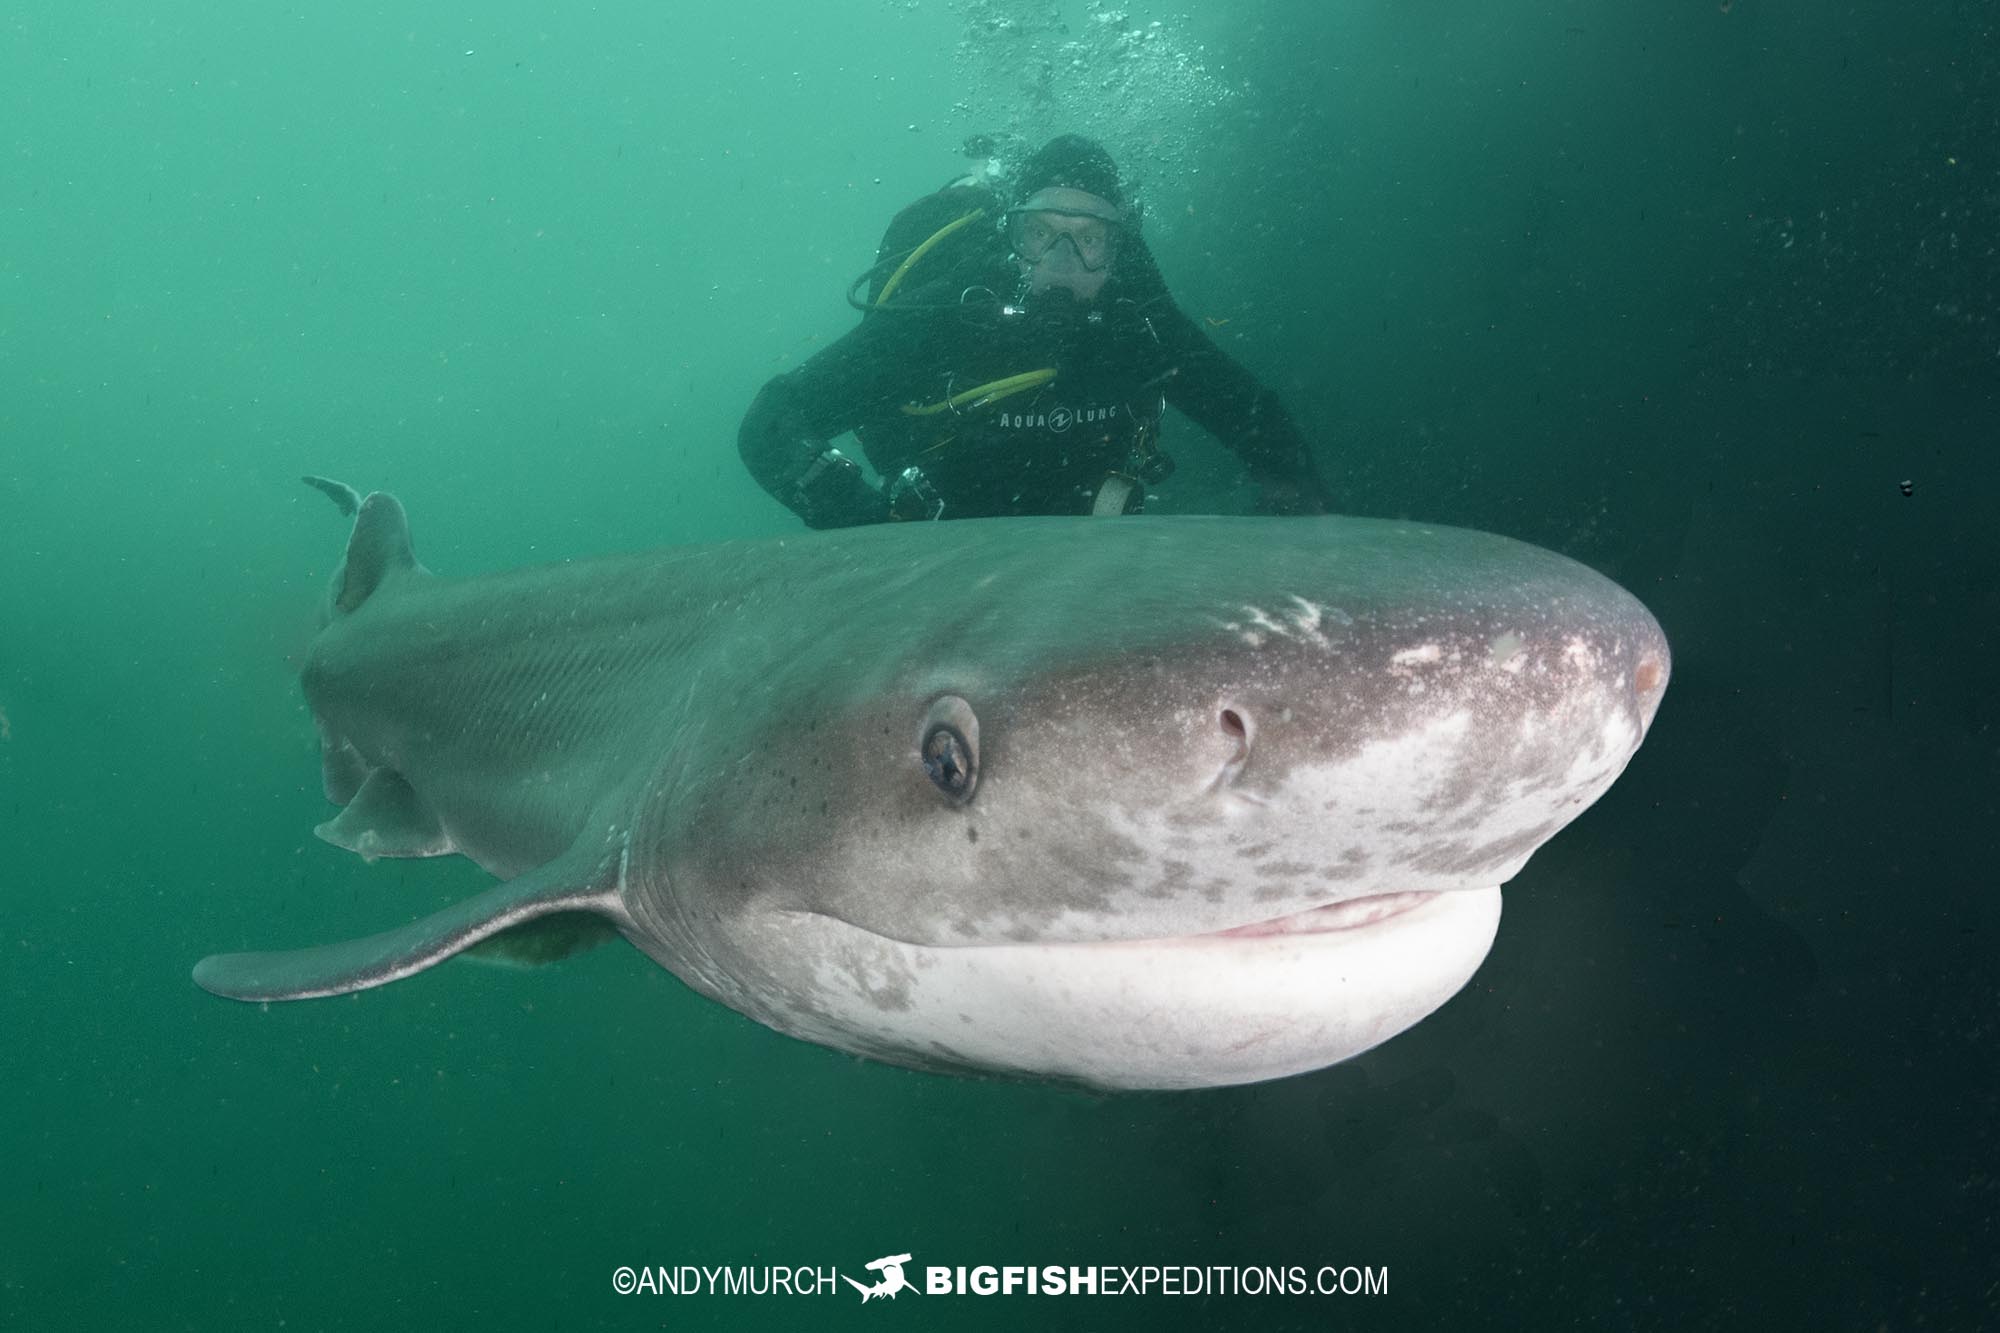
(1683, 291)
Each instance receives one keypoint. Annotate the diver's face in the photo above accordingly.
(1065, 238)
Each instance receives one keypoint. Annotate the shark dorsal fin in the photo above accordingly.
(378, 548)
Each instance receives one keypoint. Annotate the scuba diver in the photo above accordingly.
(1017, 351)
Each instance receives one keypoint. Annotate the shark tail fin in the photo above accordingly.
(537, 909)
(378, 549)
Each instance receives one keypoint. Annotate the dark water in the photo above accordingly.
(1688, 292)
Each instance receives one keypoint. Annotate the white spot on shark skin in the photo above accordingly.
(1309, 615)
(1264, 621)
(1579, 654)
(1419, 656)
(1250, 638)
(1508, 652)
(1593, 769)
(1301, 623)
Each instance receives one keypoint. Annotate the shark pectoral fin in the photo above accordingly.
(548, 939)
(335, 969)
(342, 770)
(386, 818)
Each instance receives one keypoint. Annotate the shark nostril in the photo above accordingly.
(1241, 729)
(1647, 678)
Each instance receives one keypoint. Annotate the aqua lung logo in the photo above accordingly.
(1057, 419)
(890, 1281)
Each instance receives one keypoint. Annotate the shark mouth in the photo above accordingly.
(1352, 914)
(1255, 1001)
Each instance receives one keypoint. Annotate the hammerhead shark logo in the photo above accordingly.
(890, 1266)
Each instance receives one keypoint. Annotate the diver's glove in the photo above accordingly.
(911, 496)
(832, 493)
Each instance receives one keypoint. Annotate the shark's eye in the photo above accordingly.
(950, 748)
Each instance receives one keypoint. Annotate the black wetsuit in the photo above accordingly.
(1044, 449)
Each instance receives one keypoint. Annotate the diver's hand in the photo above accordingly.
(912, 497)
(832, 493)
